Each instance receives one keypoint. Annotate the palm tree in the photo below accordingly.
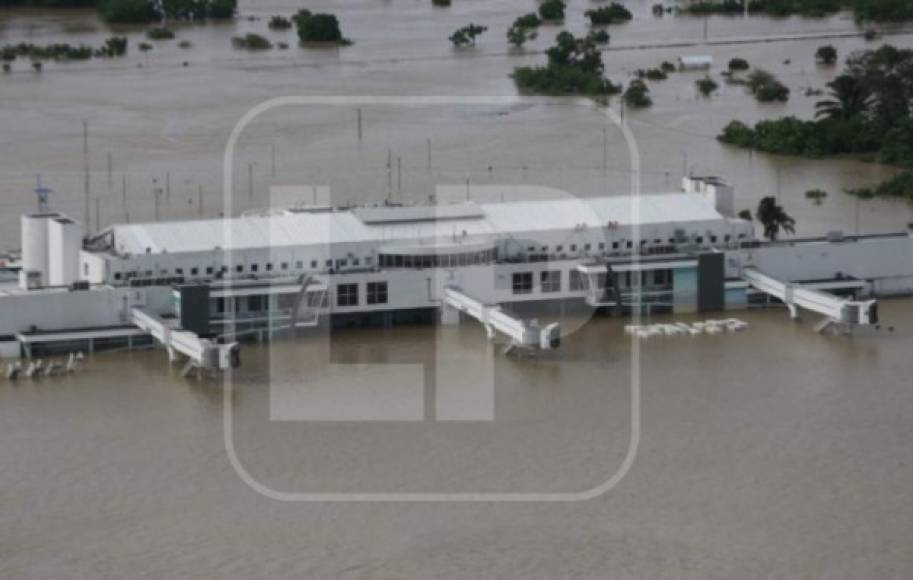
(773, 217)
(850, 98)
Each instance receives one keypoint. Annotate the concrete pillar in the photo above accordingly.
(449, 315)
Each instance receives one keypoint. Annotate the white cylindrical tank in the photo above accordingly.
(64, 243)
(35, 244)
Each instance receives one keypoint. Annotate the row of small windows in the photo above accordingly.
(347, 294)
(550, 280)
(252, 268)
(629, 244)
(438, 261)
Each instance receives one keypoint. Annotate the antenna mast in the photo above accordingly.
(42, 193)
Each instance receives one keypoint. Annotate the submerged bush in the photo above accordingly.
(160, 33)
(252, 41)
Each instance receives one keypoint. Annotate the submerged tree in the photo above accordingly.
(467, 35)
(774, 218)
(523, 29)
(552, 10)
(318, 27)
(706, 86)
(849, 98)
(518, 36)
(826, 54)
(637, 95)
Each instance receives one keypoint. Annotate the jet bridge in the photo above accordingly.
(521, 333)
(201, 353)
(835, 309)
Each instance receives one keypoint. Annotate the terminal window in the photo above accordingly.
(347, 295)
(550, 281)
(522, 283)
(377, 292)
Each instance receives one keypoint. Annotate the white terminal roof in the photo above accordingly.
(415, 224)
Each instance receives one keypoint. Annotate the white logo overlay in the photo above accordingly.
(445, 271)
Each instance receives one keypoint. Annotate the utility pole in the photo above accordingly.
(156, 192)
(272, 158)
(124, 198)
(358, 114)
(85, 161)
(250, 184)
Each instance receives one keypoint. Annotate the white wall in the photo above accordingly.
(61, 309)
(887, 259)
(34, 238)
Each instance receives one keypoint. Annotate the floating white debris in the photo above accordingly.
(684, 329)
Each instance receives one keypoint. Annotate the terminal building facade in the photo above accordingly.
(675, 252)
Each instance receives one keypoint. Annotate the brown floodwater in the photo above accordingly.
(771, 453)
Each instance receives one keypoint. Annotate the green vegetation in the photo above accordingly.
(523, 29)
(574, 67)
(145, 47)
(552, 10)
(185, 44)
(614, 13)
(278, 22)
(318, 28)
(440, 3)
(252, 41)
(598, 36)
(738, 64)
(868, 111)
(899, 186)
(812, 8)
(114, 46)
(652, 74)
(143, 11)
(466, 36)
(766, 88)
(637, 95)
(745, 214)
(160, 33)
(877, 10)
(826, 55)
(816, 195)
(129, 11)
(883, 10)
(707, 86)
(529, 20)
(774, 218)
